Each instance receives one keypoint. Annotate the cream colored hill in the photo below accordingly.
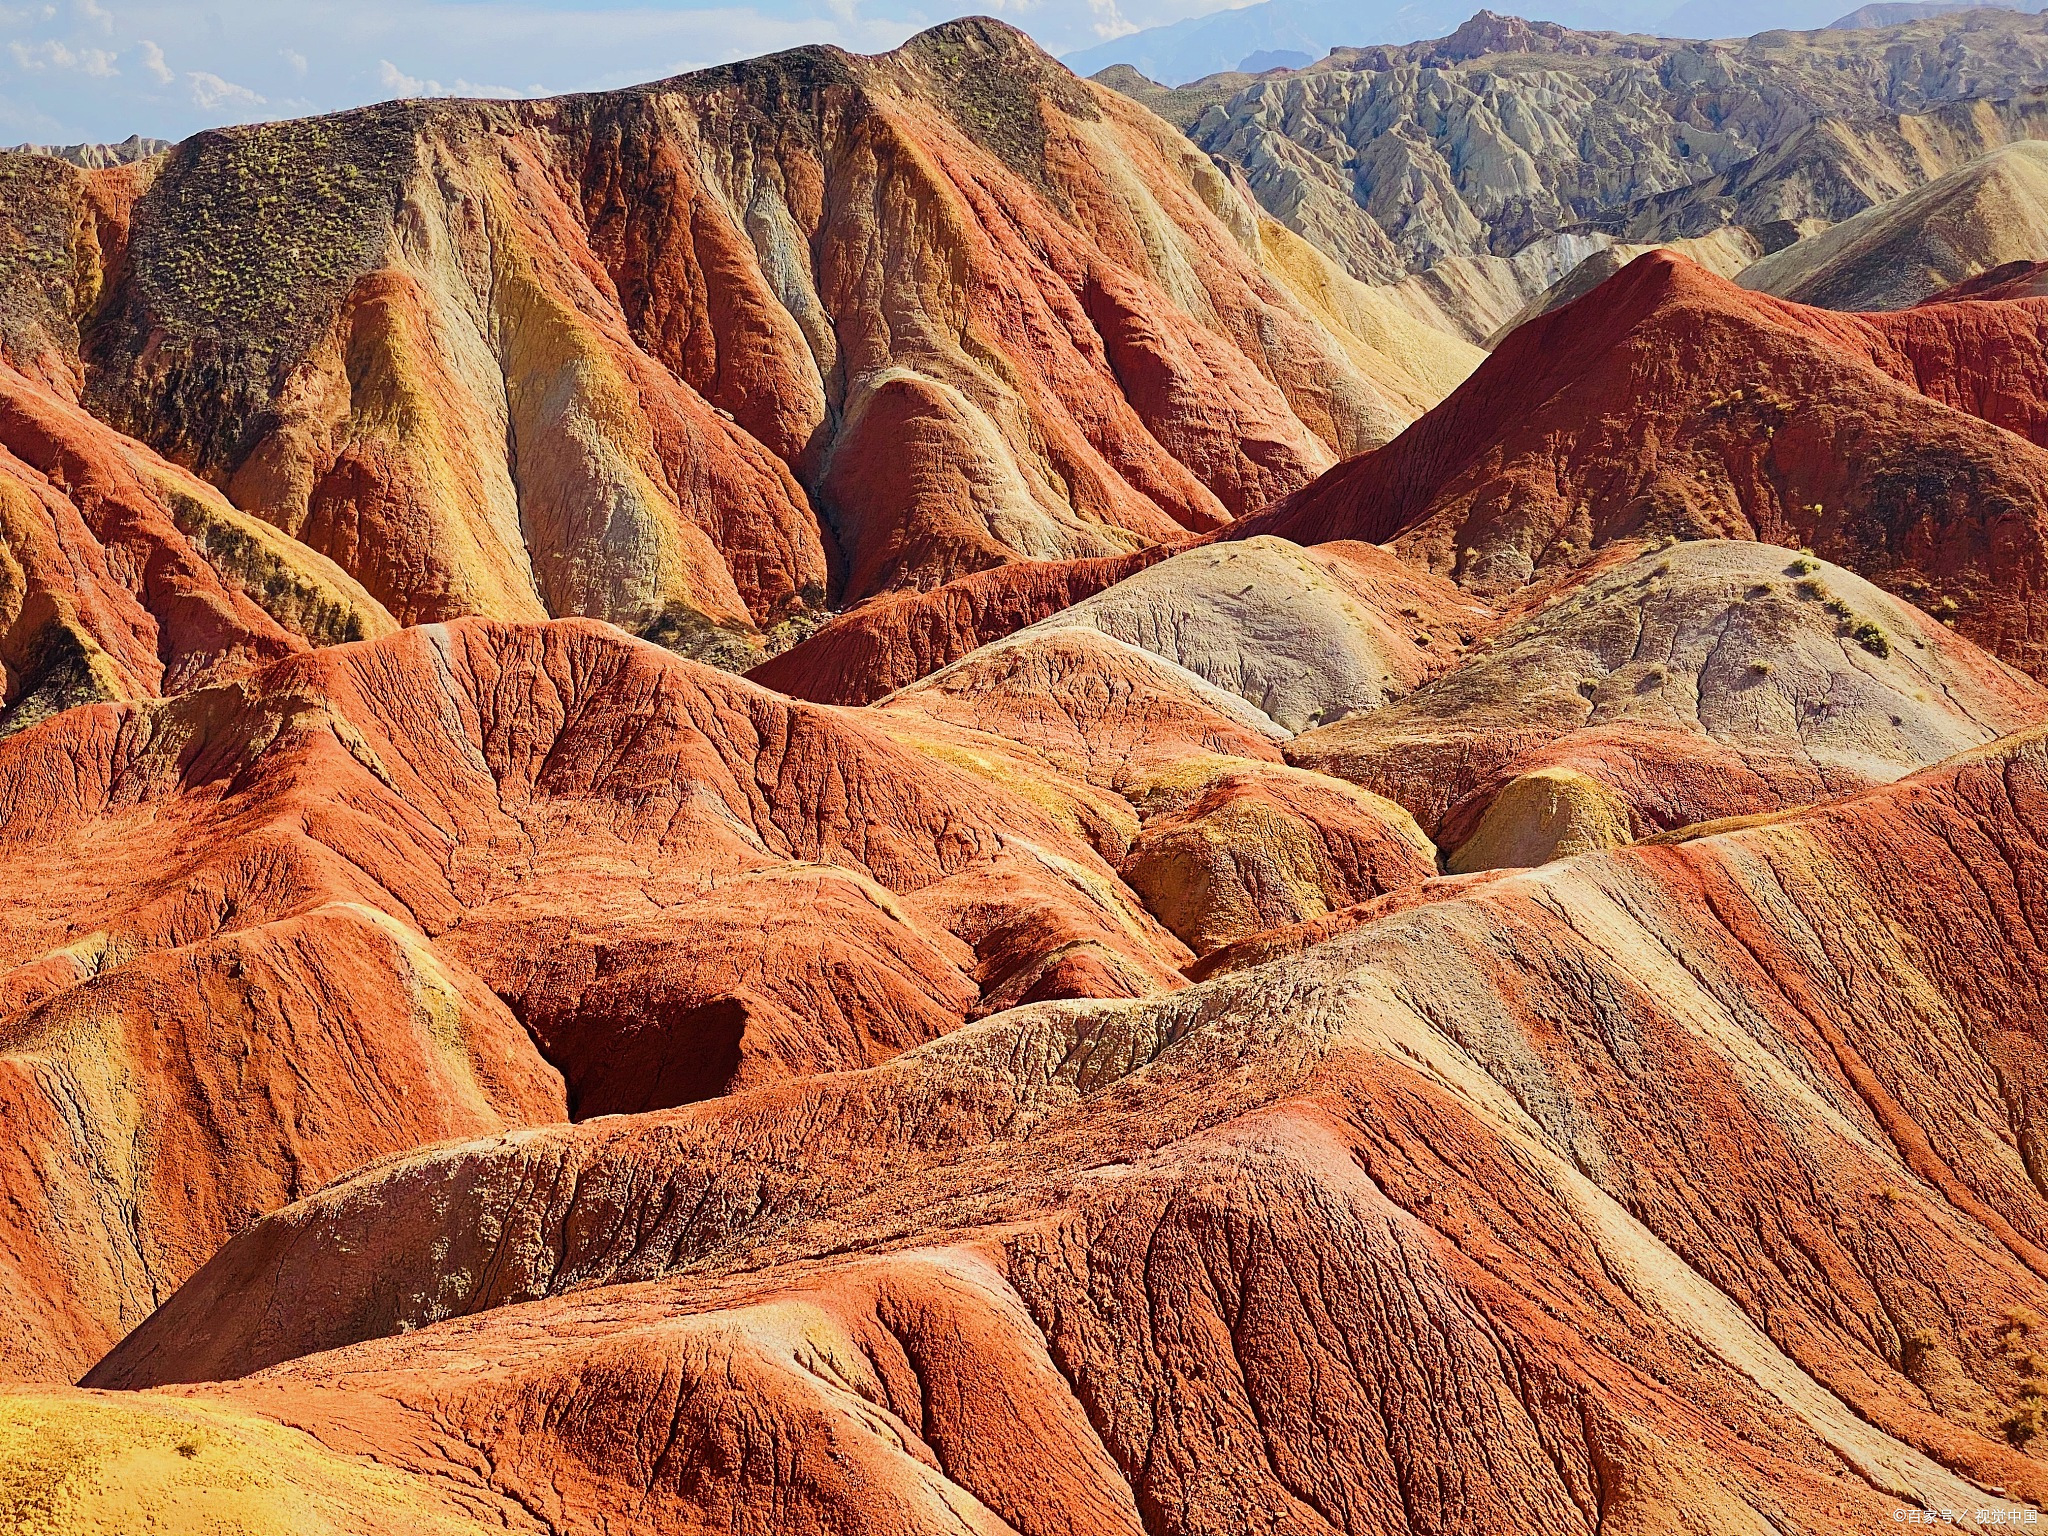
(1726, 253)
(1413, 353)
(1709, 679)
(1989, 212)
(1303, 636)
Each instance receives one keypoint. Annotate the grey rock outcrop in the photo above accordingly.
(1396, 159)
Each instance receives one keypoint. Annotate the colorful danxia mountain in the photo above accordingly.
(900, 794)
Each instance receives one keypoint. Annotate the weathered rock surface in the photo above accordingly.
(157, 1103)
(1396, 159)
(1678, 1187)
(94, 157)
(1707, 680)
(1263, 623)
(1984, 215)
(271, 929)
(705, 357)
(124, 577)
(1548, 813)
(1225, 650)
(1245, 849)
(1668, 402)
(1839, 167)
(892, 641)
(1095, 707)
(1303, 636)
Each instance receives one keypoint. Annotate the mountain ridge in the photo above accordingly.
(739, 341)
(1686, 136)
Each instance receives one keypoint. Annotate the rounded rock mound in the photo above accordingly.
(1709, 679)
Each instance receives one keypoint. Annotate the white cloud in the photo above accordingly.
(153, 61)
(96, 16)
(1109, 21)
(210, 92)
(295, 60)
(395, 80)
(45, 55)
(51, 54)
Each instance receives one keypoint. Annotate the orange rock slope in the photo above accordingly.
(272, 929)
(1501, 1208)
(827, 1135)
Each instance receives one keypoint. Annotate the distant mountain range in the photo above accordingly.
(97, 156)
(1486, 164)
(1280, 34)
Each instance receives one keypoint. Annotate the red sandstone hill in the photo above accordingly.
(2010, 280)
(277, 928)
(1908, 447)
(883, 644)
(1681, 1188)
(704, 356)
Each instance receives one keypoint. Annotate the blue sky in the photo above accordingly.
(74, 70)
(84, 70)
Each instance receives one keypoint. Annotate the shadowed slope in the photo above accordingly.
(2011, 280)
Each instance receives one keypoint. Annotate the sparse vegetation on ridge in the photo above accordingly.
(41, 287)
(242, 249)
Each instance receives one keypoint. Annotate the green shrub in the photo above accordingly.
(1915, 1347)
(2023, 1423)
